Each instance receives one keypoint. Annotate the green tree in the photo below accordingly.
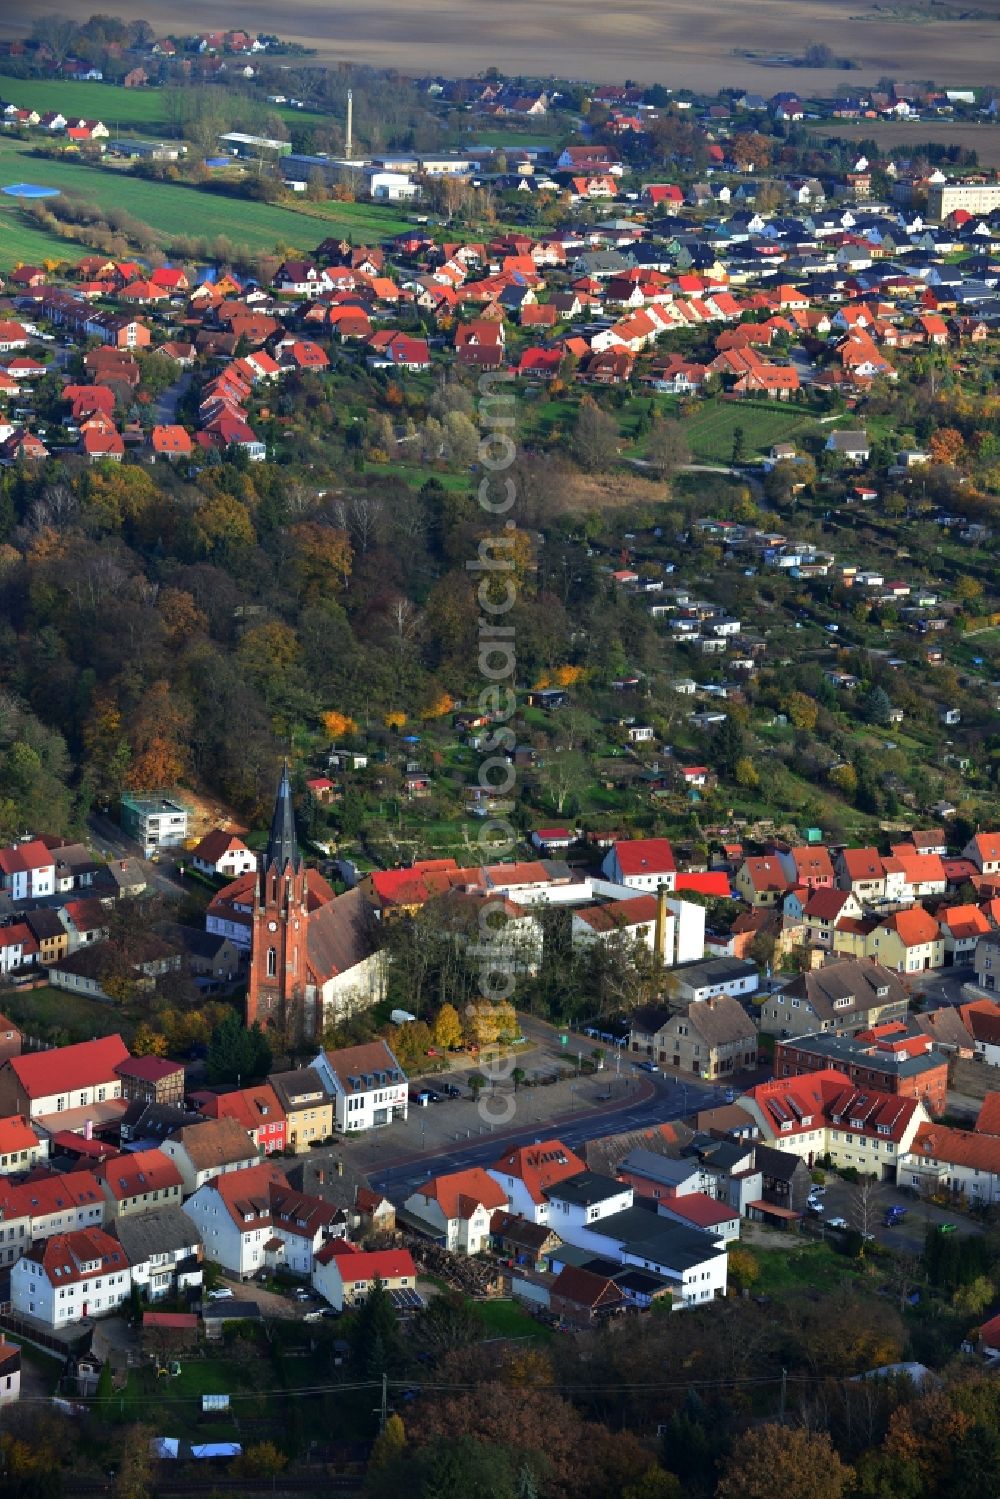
(236, 1053)
(595, 437)
(374, 1336)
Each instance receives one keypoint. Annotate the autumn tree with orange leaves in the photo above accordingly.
(159, 734)
(323, 559)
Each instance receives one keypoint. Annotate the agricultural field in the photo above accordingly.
(173, 209)
(983, 139)
(710, 431)
(21, 242)
(682, 44)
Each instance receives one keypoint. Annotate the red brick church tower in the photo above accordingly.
(276, 994)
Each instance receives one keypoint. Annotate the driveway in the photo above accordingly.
(270, 1302)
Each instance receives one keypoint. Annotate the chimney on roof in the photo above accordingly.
(340, 1168)
(88, 1130)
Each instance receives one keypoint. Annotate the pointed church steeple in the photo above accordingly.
(282, 844)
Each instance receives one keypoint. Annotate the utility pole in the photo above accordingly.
(784, 1390)
(384, 1412)
(349, 143)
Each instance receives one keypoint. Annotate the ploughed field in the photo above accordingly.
(681, 43)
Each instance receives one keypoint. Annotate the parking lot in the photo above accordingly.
(840, 1201)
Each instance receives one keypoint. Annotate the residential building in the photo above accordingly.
(820, 1114)
(641, 864)
(809, 865)
(457, 1208)
(257, 1109)
(711, 1038)
(44, 1083)
(307, 1107)
(344, 1275)
(139, 1181)
(152, 1079)
(50, 1203)
(163, 1248)
(861, 871)
(366, 1084)
(844, 996)
(70, 1277)
(823, 910)
(966, 1162)
(154, 822)
(253, 1219)
(961, 928)
(886, 1058)
(10, 1039)
(986, 961)
(695, 1263)
(223, 854)
(984, 851)
(762, 881)
(527, 1171)
(908, 941)
(21, 1147)
(27, 870)
(212, 1148)
(10, 1371)
(981, 1018)
(697, 982)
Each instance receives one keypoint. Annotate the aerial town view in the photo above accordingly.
(500, 750)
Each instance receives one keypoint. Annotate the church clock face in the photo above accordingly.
(272, 926)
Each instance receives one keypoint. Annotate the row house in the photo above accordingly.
(254, 1219)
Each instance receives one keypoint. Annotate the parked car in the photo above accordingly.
(301, 1294)
(421, 1098)
(647, 1067)
(451, 1091)
(221, 1293)
(815, 1191)
(894, 1215)
(946, 1228)
(838, 1222)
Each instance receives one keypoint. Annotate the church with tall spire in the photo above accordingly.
(312, 955)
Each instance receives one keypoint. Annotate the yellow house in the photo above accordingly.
(907, 942)
(761, 881)
(307, 1105)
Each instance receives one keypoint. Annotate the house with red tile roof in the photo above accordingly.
(961, 929)
(169, 440)
(27, 870)
(254, 1219)
(69, 1277)
(581, 1297)
(981, 1018)
(823, 910)
(223, 854)
(258, 1110)
(984, 851)
(988, 1121)
(862, 871)
(43, 1083)
(50, 1202)
(809, 865)
(762, 880)
(21, 1147)
(641, 864)
(526, 1171)
(457, 1208)
(907, 941)
(823, 1112)
(964, 1161)
(139, 1181)
(344, 1275)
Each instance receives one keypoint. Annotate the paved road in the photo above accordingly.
(944, 986)
(109, 839)
(165, 408)
(637, 1102)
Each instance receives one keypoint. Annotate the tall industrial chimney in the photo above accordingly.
(350, 125)
(660, 933)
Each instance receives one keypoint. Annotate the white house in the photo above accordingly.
(641, 863)
(582, 1200)
(71, 1276)
(526, 1172)
(253, 1219)
(223, 854)
(965, 1161)
(27, 870)
(457, 1208)
(163, 1248)
(42, 1083)
(366, 1083)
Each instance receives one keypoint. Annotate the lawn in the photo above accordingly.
(506, 1319)
(116, 106)
(40, 1011)
(710, 431)
(801, 1266)
(21, 242)
(417, 475)
(135, 110)
(173, 209)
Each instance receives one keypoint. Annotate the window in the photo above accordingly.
(272, 962)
